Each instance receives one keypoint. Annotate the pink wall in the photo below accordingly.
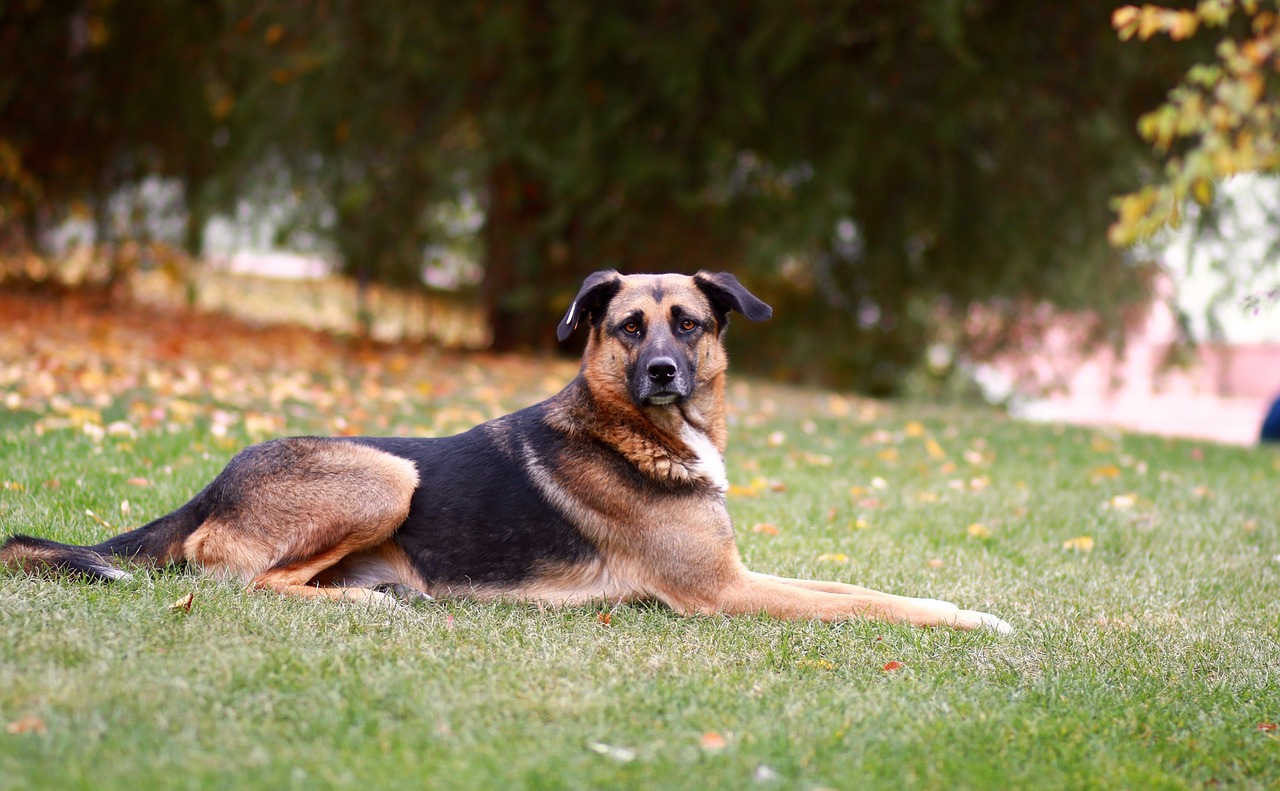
(1220, 394)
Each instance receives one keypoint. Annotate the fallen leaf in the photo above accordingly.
(819, 664)
(743, 491)
(184, 604)
(28, 724)
(1079, 544)
(978, 530)
(934, 450)
(138, 482)
(712, 741)
(605, 618)
(913, 429)
(1123, 502)
(14, 486)
(776, 439)
(768, 528)
(834, 557)
(1268, 726)
(889, 667)
(98, 519)
(1101, 473)
(621, 754)
(935, 563)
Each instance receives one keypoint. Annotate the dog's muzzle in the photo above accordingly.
(662, 380)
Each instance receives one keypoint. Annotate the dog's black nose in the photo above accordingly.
(662, 370)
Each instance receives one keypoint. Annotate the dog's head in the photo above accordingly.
(658, 336)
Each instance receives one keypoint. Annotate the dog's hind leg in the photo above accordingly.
(290, 510)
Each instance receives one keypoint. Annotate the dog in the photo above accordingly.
(612, 490)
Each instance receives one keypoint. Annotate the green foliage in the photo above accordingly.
(1220, 121)
(873, 167)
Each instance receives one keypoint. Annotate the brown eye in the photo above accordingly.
(688, 325)
(631, 328)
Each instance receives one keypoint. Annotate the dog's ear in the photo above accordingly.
(592, 299)
(726, 294)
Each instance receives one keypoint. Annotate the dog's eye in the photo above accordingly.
(631, 328)
(688, 325)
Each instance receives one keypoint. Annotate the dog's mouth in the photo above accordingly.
(662, 399)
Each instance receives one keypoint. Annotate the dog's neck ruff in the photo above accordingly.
(708, 463)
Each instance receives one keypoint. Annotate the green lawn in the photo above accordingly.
(1146, 657)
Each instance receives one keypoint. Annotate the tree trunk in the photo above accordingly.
(516, 285)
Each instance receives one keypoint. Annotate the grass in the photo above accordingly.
(1150, 660)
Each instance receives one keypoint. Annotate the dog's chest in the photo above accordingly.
(707, 462)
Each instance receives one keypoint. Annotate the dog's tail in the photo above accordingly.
(159, 542)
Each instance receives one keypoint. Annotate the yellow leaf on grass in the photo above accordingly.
(934, 450)
(834, 557)
(1079, 544)
(979, 530)
(183, 605)
(712, 741)
(914, 429)
(1123, 502)
(768, 528)
(816, 664)
(1108, 471)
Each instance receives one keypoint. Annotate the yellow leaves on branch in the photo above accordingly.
(1149, 20)
(1221, 108)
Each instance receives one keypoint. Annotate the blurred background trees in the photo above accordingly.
(870, 168)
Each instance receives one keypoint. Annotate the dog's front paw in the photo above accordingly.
(972, 619)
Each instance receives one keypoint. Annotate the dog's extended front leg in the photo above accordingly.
(790, 599)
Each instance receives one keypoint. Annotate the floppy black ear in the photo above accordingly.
(726, 294)
(593, 297)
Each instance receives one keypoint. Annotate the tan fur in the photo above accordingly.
(681, 550)
(322, 518)
(343, 499)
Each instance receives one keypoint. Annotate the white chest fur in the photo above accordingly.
(709, 463)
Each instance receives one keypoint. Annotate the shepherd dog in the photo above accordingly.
(612, 490)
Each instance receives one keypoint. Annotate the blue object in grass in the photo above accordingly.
(1271, 423)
